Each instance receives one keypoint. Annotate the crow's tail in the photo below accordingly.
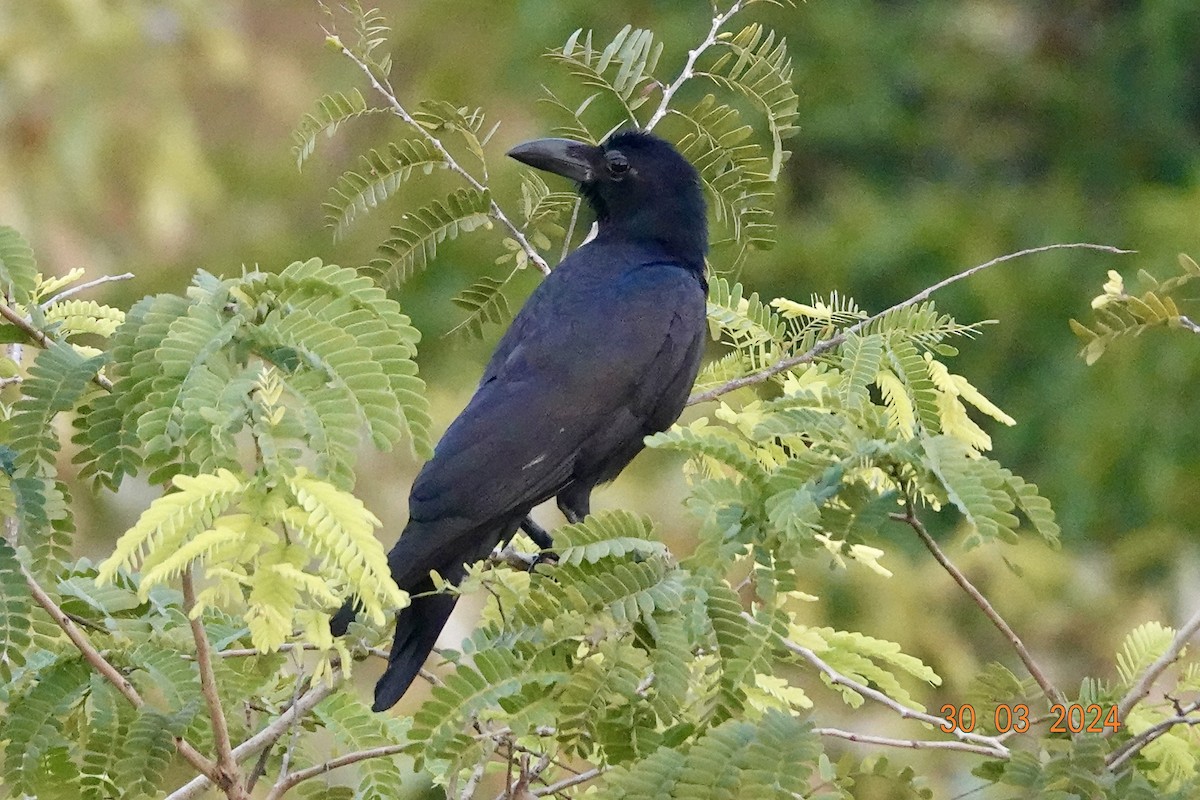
(417, 629)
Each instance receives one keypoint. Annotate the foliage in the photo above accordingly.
(618, 80)
(1119, 313)
(615, 668)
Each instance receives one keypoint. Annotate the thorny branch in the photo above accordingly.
(689, 68)
(822, 347)
(384, 89)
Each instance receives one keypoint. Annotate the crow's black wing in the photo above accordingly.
(594, 352)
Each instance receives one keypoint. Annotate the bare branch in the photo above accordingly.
(248, 652)
(1187, 324)
(1142, 688)
(494, 210)
(567, 783)
(231, 779)
(111, 673)
(912, 744)
(989, 611)
(83, 287)
(828, 344)
(689, 68)
(994, 746)
(285, 783)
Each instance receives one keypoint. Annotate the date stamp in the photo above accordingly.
(1064, 718)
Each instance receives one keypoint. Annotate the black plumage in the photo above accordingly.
(603, 353)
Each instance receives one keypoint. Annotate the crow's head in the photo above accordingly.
(638, 185)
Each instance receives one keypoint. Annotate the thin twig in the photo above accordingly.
(912, 744)
(993, 745)
(83, 287)
(1048, 688)
(1135, 745)
(232, 781)
(567, 783)
(1142, 688)
(109, 672)
(264, 738)
(42, 340)
(249, 652)
(1187, 324)
(476, 776)
(285, 783)
(828, 344)
(494, 210)
(285, 761)
(689, 68)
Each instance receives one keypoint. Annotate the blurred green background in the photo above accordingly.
(154, 137)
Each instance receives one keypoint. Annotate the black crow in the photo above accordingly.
(602, 355)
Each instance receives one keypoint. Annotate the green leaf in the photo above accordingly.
(484, 302)
(621, 69)
(148, 749)
(15, 610)
(379, 176)
(413, 243)
(34, 726)
(18, 269)
(759, 68)
(772, 759)
(331, 111)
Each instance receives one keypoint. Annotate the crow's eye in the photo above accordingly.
(618, 164)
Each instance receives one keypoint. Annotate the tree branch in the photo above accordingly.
(42, 340)
(1135, 745)
(232, 781)
(689, 68)
(567, 783)
(994, 747)
(110, 673)
(494, 210)
(828, 344)
(1187, 324)
(286, 783)
(1140, 689)
(266, 737)
(1048, 688)
(912, 744)
(83, 287)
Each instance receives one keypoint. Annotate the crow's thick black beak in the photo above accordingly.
(570, 159)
